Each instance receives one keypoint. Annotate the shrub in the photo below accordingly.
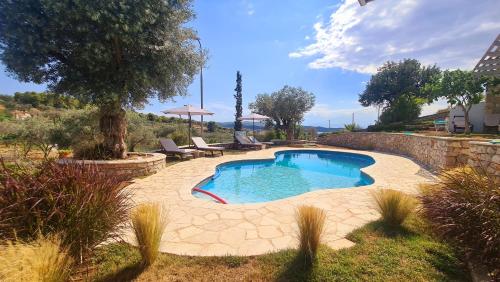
(180, 136)
(394, 206)
(311, 222)
(464, 206)
(351, 127)
(149, 222)
(76, 201)
(91, 151)
(41, 260)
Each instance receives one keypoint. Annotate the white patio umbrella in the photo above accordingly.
(253, 117)
(189, 111)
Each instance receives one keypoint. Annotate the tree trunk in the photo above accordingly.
(113, 125)
(289, 132)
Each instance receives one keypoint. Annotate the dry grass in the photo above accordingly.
(311, 222)
(394, 206)
(41, 260)
(149, 221)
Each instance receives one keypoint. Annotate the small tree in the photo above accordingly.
(115, 54)
(239, 100)
(460, 88)
(286, 107)
(212, 126)
(398, 84)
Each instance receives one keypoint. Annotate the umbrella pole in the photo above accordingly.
(253, 129)
(189, 141)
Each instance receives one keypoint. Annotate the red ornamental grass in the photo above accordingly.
(464, 206)
(76, 201)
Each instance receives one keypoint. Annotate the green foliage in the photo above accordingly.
(459, 88)
(351, 127)
(35, 99)
(398, 88)
(212, 126)
(464, 206)
(286, 107)
(404, 109)
(113, 54)
(140, 131)
(395, 79)
(180, 136)
(78, 202)
(238, 125)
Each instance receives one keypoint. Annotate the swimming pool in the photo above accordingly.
(291, 173)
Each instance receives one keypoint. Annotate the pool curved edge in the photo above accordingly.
(217, 168)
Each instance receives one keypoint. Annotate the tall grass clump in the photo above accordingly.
(40, 260)
(464, 207)
(148, 221)
(311, 222)
(394, 206)
(75, 201)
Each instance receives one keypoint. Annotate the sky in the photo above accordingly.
(330, 48)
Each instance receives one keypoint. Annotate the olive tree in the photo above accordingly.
(286, 107)
(116, 54)
(460, 88)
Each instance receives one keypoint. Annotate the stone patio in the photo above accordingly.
(199, 227)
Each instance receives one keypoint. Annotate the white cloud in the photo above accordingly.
(249, 8)
(449, 33)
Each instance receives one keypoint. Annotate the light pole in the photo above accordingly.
(201, 84)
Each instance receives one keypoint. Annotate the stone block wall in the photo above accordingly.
(143, 164)
(434, 152)
(487, 156)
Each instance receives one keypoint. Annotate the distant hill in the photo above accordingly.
(259, 126)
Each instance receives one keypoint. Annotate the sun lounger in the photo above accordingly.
(169, 147)
(201, 145)
(255, 141)
(246, 142)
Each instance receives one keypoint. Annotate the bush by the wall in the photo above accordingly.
(464, 206)
(76, 201)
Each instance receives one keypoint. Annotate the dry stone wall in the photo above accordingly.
(143, 164)
(487, 156)
(434, 152)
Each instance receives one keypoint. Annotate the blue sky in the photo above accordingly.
(327, 47)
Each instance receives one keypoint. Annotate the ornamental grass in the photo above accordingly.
(394, 206)
(311, 222)
(148, 222)
(40, 260)
(464, 207)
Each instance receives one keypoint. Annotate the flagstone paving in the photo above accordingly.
(203, 228)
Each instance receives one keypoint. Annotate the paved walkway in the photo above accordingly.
(203, 228)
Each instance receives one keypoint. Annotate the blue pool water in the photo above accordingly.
(290, 173)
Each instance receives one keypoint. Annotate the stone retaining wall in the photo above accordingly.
(144, 164)
(487, 156)
(435, 152)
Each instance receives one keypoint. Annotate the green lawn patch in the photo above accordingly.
(381, 253)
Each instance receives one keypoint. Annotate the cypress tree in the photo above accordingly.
(239, 100)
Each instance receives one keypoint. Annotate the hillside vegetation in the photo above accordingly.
(64, 123)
